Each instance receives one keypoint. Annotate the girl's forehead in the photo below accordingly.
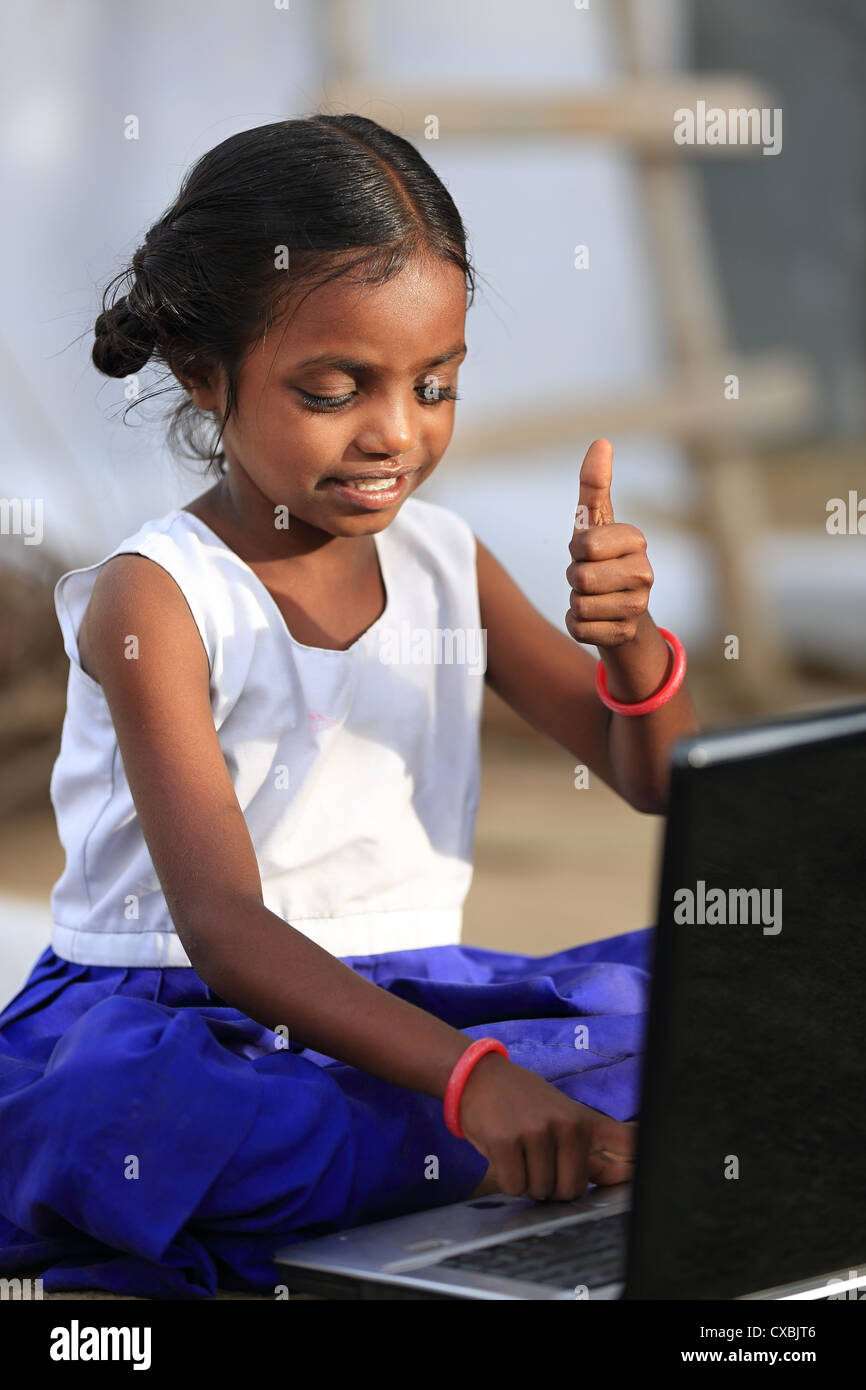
(421, 310)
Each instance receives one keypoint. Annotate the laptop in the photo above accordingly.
(750, 1173)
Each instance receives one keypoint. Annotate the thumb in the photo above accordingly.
(594, 506)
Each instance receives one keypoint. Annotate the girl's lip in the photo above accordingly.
(372, 501)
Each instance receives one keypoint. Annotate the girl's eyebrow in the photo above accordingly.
(350, 364)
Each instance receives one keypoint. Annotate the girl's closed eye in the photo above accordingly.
(429, 395)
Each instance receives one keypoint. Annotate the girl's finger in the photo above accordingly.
(509, 1164)
(609, 576)
(596, 473)
(607, 542)
(541, 1167)
(612, 1151)
(572, 1171)
(607, 1168)
(601, 634)
(630, 603)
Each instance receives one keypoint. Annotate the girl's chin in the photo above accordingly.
(334, 521)
(359, 524)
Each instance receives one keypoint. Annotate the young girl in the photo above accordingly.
(255, 1022)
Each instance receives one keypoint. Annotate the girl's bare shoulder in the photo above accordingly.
(132, 596)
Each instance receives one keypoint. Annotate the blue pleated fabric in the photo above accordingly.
(155, 1141)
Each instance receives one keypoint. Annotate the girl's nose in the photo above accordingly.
(387, 428)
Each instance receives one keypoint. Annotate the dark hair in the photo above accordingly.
(205, 283)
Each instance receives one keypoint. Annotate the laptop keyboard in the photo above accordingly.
(586, 1252)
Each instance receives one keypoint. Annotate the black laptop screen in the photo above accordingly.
(752, 1148)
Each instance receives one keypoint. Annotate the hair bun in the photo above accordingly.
(124, 341)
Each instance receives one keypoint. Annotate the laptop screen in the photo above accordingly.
(751, 1168)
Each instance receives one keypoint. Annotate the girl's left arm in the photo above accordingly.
(550, 681)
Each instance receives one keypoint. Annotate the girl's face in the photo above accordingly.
(345, 409)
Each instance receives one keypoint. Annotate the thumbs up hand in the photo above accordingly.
(610, 575)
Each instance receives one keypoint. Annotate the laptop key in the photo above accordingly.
(586, 1252)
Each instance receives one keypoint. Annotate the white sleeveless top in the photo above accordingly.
(357, 771)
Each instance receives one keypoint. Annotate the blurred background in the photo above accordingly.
(700, 304)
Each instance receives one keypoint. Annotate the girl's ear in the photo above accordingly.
(204, 394)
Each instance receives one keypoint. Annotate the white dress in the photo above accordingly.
(357, 771)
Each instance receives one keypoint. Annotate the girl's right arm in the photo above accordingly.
(537, 1140)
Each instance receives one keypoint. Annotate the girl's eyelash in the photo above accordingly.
(328, 403)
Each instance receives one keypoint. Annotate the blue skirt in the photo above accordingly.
(155, 1141)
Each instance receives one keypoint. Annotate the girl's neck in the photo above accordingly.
(329, 589)
(244, 520)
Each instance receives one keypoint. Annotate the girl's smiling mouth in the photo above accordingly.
(373, 491)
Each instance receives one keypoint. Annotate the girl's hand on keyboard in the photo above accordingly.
(539, 1142)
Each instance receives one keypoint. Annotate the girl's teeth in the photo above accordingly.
(373, 484)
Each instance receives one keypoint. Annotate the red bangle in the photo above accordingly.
(459, 1077)
(661, 697)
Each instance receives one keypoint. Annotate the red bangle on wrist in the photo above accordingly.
(661, 697)
(459, 1077)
